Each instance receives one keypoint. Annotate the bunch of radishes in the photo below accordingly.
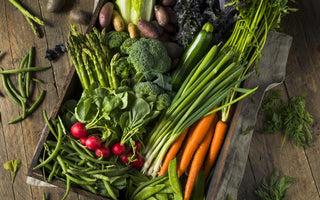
(79, 130)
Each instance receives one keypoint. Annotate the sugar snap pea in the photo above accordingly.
(31, 109)
(148, 192)
(173, 179)
(55, 151)
(162, 196)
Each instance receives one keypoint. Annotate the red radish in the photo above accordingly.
(79, 130)
(118, 149)
(103, 151)
(138, 145)
(83, 140)
(93, 142)
(125, 158)
(138, 163)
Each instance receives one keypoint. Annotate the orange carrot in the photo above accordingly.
(197, 136)
(197, 162)
(217, 141)
(172, 152)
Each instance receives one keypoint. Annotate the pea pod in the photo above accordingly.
(195, 51)
(149, 191)
(151, 182)
(173, 179)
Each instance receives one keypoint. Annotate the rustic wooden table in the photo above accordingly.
(20, 140)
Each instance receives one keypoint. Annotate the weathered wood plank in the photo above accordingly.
(248, 184)
(303, 71)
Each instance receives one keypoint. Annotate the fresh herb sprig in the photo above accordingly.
(13, 166)
(290, 117)
(276, 189)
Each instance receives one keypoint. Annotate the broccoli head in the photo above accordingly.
(126, 44)
(147, 88)
(163, 101)
(148, 55)
(115, 39)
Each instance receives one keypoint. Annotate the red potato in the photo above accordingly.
(168, 2)
(172, 15)
(173, 49)
(147, 29)
(161, 15)
(105, 14)
(169, 28)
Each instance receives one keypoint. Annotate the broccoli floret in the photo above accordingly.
(147, 88)
(115, 39)
(126, 44)
(148, 55)
(163, 101)
(123, 69)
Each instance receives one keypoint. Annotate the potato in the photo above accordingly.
(55, 5)
(157, 26)
(105, 14)
(168, 2)
(117, 21)
(147, 29)
(172, 15)
(132, 29)
(161, 15)
(79, 17)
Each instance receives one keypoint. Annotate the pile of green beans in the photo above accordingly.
(21, 97)
(161, 188)
(66, 160)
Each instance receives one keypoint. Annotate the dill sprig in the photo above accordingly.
(276, 189)
(290, 117)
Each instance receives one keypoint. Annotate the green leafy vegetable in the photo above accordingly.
(276, 189)
(291, 117)
(13, 166)
(133, 10)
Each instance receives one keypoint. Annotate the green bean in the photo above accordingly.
(89, 188)
(32, 108)
(27, 74)
(85, 149)
(109, 189)
(37, 80)
(49, 124)
(78, 181)
(148, 191)
(15, 71)
(53, 171)
(8, 90)
(108, 171)
(74, 145)
(55, 151)
(173, 178)
(44, 196)
(14, 91)
(68, 188)
(62, 164)
(82, 162)
(20, 79)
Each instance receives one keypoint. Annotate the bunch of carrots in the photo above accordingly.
(202, 143)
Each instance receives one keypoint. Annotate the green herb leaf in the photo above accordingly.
(276, 189)
(291, 117)
(13, 166)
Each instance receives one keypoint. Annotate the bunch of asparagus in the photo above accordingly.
(91, 58)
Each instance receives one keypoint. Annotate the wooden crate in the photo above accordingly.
(72, 85)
